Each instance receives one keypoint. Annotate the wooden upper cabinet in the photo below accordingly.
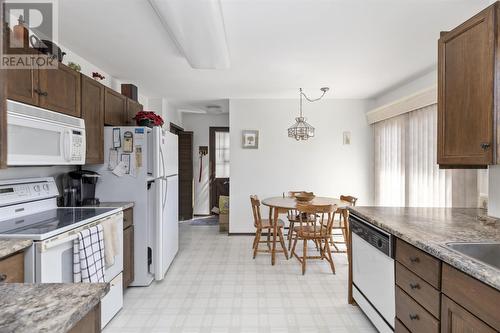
(22, 85)
(93, 114)
(132, 108)
(60, 90)
(3, 104)
(467, 71)
(115, 107)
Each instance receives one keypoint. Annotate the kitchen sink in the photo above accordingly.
(488, 253)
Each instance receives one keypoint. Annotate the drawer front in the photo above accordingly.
(414, 316)
(419, 262)
(476, 297)
(12, 268)
(128, 218)
(418, 289)
(400, 328)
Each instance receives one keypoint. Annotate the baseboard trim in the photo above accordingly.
(241, 233)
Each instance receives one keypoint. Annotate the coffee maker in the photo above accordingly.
(79, 188)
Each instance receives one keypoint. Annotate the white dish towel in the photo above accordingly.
(111, 247)
(88, 255)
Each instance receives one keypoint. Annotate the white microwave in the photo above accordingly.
(36, 136)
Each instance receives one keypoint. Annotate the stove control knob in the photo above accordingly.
(46, 187)
(36, 188)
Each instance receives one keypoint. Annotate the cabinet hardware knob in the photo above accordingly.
(414, 286)
(3, 277)
(40, 93)
(485, 146)
(414, 259)
(414, 316)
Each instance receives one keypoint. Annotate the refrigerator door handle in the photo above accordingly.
(165, 193)
(162, 158)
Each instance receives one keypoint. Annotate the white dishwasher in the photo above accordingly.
(373, 273)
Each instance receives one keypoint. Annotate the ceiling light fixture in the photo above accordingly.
(302, 130)
(197, 28)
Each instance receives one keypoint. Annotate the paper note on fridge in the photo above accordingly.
(120, 170)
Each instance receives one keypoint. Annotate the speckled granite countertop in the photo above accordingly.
(123, 205)
(11, 246)
(47, 307)
(429, 229)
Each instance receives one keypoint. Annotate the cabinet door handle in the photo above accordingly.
(485, 146)
(414, 259)
(40, 93)
(414, 286)
(414, 317)
(3, 277)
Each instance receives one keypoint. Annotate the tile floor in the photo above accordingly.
(214, 285)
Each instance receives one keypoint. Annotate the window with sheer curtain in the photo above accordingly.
(406, 169)
(222, 154)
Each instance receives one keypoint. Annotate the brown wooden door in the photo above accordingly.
(128, 256)
(132, 108)
(219, 160)
(115, 106)
(60, 90)
(455, 319)
(93, 114)
(185, 175)
(466, 67)
(22, 85)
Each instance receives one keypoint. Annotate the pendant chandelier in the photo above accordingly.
(302, 130)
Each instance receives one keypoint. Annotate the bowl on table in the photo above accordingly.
(304, 196)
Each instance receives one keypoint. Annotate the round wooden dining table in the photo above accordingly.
(281, 205)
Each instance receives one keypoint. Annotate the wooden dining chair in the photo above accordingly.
(342, 224)
(293, 218)
(265, 225)
(320, 233)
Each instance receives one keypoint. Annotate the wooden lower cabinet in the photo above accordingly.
(432, 296)
(12, 268)
(128, 247)
(455, 319)
(413, 315)
(91, 323)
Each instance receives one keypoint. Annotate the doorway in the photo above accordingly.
(219, 164)
(185, 172)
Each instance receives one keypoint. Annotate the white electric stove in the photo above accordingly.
(28, 210)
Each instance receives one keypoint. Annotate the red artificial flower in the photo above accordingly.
(155, 119)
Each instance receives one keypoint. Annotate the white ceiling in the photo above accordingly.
(358, 48)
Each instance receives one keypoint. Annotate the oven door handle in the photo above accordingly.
(56, 242)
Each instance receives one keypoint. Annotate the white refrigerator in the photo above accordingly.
(141, 165)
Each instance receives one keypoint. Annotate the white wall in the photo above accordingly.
(407, 88)
(322, 164)
(161, 106)
(199, 124)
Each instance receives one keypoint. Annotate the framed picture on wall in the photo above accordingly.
(250, 139)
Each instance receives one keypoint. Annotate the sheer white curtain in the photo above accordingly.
(390, 160)
(406, 169)
(428, 186)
